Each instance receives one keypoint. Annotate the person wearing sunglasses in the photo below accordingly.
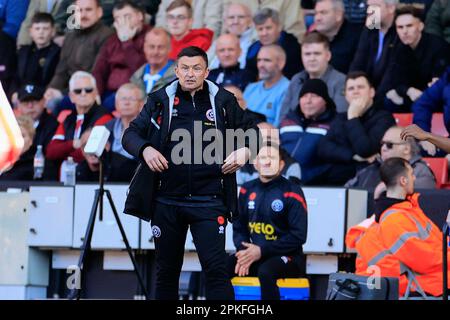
(83, 94)
(392, 145)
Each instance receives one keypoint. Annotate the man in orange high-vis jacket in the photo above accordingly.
(372, 258)
(407, 233)
(402, 241)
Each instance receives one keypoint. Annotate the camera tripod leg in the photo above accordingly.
(76, 292)
(124, 237)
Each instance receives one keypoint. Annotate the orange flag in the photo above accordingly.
(11, 141)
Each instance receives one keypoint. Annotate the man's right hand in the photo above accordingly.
(155, 160)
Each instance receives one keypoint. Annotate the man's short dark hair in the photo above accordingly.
(410, 9)
(129, 3)
(358, 74)
(316, 37)
(193, 51)
(179, 4)
(264, 14)
(391, 169)
(43, 17)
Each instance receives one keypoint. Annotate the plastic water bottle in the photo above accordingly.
(70, 172)
(38, 163)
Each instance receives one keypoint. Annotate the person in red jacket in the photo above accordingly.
(122, 54)
(179, 23)
(66, 141)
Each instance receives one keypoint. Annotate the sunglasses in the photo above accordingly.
(390, 144)
(86, 90)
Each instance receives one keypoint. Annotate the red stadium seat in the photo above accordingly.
(63, 115)
(439, 166)
(437, 125)
(403, 119)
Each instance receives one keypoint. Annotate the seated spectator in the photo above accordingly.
(237, 21)
(392, 146)
(12, 13)
(7, 62)
(354, 138)
(377, 46)
(23, 169)
(315, 58)
(269, 28)
(119, 165)
(438, 19)
(291, 13)
(36, 63)
(205, 14)
(343, 36)
(229, 70)
(303, 129)
(255, 117)
(271, 135)
(32, 103)
(434, 99)
(122, 54)
(79, 51)
(426, 57)
(279, 205)
(179, 24)
(266, 95)
(66, 141)
(158, 70)
(43, 6)
(388, 240)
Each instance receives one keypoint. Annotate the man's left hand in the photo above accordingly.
(236, 160)
(249, 255)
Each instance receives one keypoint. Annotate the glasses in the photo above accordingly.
(390, 144)
(178, 18)
(80, 90)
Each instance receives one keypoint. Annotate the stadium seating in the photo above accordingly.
(439, 166)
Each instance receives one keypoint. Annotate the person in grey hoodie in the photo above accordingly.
(392, 145)
(316, 55)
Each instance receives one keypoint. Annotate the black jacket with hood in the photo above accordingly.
(151, 128)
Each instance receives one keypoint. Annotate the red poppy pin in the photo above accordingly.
(252, 196)
(159, 119)
(220, 220)
(176, 101)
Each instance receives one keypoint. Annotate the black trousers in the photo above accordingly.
(270, 270)
(207, 224)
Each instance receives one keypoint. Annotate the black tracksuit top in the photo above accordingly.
(272, 215)
(194, 178)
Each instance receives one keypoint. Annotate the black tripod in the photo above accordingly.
(98, 202)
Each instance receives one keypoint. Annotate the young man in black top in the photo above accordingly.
(272, 226)
(179, 188)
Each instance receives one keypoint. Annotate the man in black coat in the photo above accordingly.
(426, 57)
(177, 188)
(269, 29)
(343, 36)
(376, 53)
(32, 103)
(354, 138)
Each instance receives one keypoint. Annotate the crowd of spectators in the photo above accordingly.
(328, 74)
